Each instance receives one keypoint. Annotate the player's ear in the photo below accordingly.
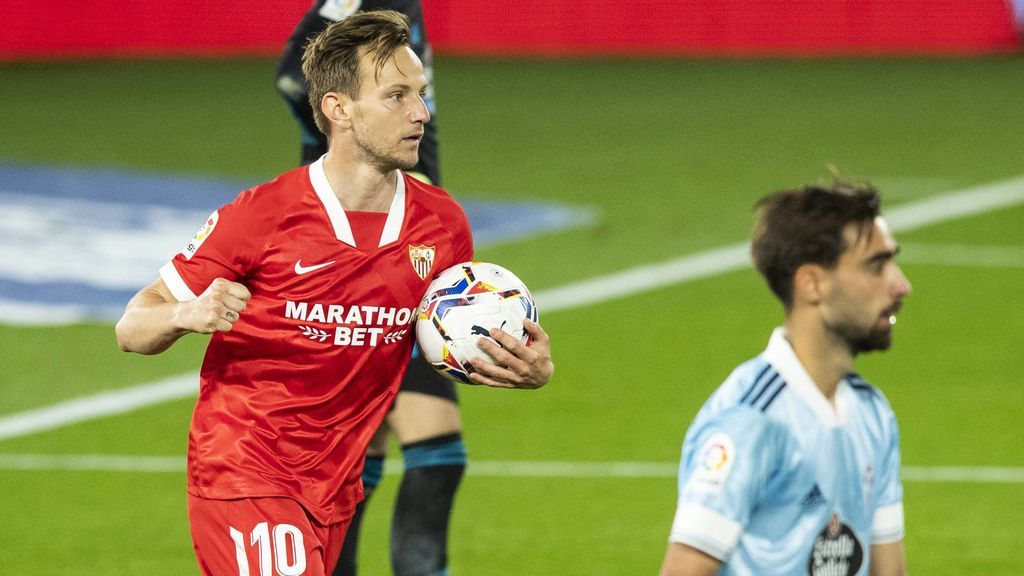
(337, 107)
(811, 283)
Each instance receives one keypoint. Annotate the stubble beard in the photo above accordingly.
(848, 327)
(874, 339)
(372, 153)
(859, 339)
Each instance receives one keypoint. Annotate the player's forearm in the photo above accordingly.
(682, 560)
(888, 559)
(149, 325)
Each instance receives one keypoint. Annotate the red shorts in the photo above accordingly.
(262, 536)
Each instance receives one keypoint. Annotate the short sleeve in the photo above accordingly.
(226, 246)
(725, 466)
(887, 522)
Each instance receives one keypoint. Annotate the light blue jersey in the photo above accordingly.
(774, 481)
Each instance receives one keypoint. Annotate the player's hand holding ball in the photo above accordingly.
(515, 365)
(477, 324)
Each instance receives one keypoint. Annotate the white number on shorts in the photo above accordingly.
(288, 544)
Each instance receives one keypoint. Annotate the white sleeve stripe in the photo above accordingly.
(887, 525)
(705, 529)
(174, 282)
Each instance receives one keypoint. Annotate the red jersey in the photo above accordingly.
(291, 396)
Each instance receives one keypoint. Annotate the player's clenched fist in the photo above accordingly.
(216, 309)
(155, 318)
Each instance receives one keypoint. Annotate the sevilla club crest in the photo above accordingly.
(422, 258)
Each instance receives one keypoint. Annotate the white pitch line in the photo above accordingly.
(108, 403)
(488, 468)
(957, 204)
(980, 474)
(965, 255)
(641, 279)
(629, 282)
(91, 463)
(902, 218)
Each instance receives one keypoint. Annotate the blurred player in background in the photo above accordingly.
(793, 465)
(309, 290)
(425, 418)
(1018, 18)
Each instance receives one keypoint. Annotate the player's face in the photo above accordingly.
(867, 289)
(390, 113)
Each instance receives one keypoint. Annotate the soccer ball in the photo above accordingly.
(459, 308)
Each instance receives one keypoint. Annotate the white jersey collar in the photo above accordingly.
(335, 212)
(781, 356)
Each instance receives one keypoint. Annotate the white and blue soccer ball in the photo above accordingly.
(459, 308)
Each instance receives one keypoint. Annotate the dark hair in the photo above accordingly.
(805, 226)
(330, 61)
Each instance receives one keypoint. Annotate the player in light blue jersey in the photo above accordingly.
(792, 466)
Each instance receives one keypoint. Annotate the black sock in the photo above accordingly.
(373, 468)
(419, 528)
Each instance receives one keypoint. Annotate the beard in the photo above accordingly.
(848, 325)
(372, 151)
(858, 339)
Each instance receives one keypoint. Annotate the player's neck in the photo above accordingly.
(359, 186)
(826, 359)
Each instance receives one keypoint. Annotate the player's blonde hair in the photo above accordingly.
(330, 61)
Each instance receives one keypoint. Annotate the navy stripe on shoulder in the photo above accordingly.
(764, 407)
(766, 387)
(762, 378)
(855, 381)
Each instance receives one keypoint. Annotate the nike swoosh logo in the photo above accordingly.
(300, 269)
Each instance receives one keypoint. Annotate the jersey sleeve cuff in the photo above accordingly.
(705, 530)
(887, 525)
(175, 283)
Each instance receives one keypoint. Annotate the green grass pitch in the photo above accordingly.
(672, 154)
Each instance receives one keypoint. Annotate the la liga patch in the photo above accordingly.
(204, 232)
(714, 462)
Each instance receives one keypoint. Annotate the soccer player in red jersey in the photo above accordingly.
(424, 419)
(309, 286)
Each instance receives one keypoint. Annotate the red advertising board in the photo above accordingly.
(85, 28)
(722, 27)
